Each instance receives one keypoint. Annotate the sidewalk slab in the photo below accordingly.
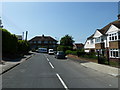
(102, 68)
(98, 67)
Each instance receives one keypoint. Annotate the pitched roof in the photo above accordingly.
(43, 38)
(90, 36)
(105, 29)
(79, 44)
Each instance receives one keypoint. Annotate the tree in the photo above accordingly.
(67, 41)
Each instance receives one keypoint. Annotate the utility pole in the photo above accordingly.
(1, 26)
(26, 35)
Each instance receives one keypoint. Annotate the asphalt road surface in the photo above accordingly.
(45, 71)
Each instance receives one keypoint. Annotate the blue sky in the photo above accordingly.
(56, 19)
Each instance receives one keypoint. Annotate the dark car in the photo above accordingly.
(60, 54)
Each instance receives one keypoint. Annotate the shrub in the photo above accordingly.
(103, 60)
(23, 47)
(11, 46)
(64, 48)
(9, 42)
(68, 52)
(71, 52)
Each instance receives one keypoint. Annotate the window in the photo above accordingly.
(54, 42)
(97, 39)
(114, 37)
(50, 41)
(91, 41)
(114, 53)
(39, 41)
(45, 42)
(118, 35)
(34, 41)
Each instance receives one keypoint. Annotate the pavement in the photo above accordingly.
(7, 65)
(100, 67)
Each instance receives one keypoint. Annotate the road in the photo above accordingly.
(45, 71)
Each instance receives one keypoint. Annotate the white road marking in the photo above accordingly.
(47, 59)
(51, 65)
(62, 81)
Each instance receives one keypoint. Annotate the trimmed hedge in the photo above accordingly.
(80, 53)
(11, 46)
(9, 42)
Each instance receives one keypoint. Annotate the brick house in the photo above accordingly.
(106, 40)
(78, 46)
(43, 42)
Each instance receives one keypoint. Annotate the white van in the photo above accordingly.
(50, 52)
(42, 50)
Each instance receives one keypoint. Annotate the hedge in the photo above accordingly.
(11, 45)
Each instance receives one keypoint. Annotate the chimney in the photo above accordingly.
(43, 35)
(118, 17)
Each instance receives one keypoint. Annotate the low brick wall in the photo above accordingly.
(115, 59)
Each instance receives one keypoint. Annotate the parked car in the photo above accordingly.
(60, 54)
(50, 52)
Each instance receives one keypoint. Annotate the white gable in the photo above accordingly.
(97, 34)
(112, 29)
(88, 44)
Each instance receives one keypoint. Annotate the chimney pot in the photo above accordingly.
(118, 16)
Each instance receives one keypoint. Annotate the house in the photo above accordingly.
(19, 37)
(90, 44)
(43, 42)
(106, 40)
(78, 46)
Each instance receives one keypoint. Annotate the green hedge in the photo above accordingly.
(80, 53)
(64, 48)
(9, 42)
(11, 46)
(71, 52)
(23, 47)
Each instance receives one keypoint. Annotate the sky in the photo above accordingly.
(56, 19)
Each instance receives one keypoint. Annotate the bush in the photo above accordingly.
(9, 42)
(71, 52)
(68, 52)
(23, 47)
(11, 46)
(64, 48)
(103, 60)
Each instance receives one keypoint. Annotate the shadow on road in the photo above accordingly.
(16, 59)
(77, 60)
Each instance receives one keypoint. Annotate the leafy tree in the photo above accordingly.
(66, 43)
(67, 40)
